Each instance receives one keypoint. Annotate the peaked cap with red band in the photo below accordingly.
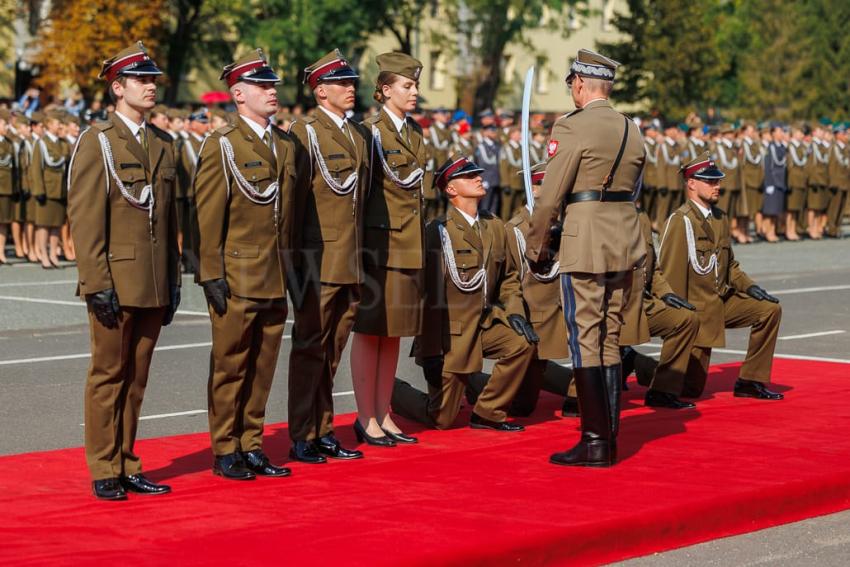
(538, 173)
(331, 67)
(132, 61)
(252, 68)
(456, 166)
(702, 167)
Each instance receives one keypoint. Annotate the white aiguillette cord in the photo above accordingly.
(264, 197)
(476, 282)
(523, 267)
(406, 183)
(341, 189)
(145, 201)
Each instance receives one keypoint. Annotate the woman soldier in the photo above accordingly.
(393, 253)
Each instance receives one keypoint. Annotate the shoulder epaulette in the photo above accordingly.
(102, 125)
(570, 114)
(372, 120)
(307, 119)
(225, 130)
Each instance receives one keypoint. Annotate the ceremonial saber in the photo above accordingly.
(526, 139)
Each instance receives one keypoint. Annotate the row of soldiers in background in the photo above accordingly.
(785, 180)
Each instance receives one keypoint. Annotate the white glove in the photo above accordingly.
(769, 189)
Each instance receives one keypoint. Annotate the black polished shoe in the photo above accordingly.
(257, 462)
(232, 467)
(752, 389)
(401, 437)
(655, 399)
(330, 446)
(139, 484)
(363, 437)
(306, 452)
(108, 489)
(570, 407)
(478, 422)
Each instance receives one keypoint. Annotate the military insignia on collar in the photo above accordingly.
(552, 147)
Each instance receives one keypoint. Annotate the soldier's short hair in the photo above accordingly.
(600, 85)
(112, 96)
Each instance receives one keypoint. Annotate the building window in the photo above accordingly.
(508, 69)
(544, 77)
(437, 73)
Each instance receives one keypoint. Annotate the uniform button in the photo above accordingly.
(236, 252)
(110, 255)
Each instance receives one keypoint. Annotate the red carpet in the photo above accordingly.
(461, 497)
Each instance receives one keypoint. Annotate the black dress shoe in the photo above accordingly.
(306, 452)
(570, 407)
(362, 436)
(655, 399)
(108, 489)
(257, 462)
(232, 467)
(139, 484)
(752, 389)
(330, 446)
(401, 437)
(478, 422)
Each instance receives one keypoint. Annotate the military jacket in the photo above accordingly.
(8, 167)
(245, 239)
(120, 245)
(798, 171)
(48, 168)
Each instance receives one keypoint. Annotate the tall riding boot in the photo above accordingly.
(613, 379)
(594, 448)
(627, 355)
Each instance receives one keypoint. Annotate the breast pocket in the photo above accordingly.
(133, 179)
(259, 177)
(240, 250)
(340, 168)
(468, 262)
(397, 161)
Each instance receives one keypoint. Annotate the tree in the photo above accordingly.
(670, 56)
(483, 30)
(81, 33)
(298, 32)
(402, 18)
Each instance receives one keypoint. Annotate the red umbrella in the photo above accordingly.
(215, 97)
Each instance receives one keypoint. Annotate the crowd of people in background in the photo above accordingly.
(783, 181)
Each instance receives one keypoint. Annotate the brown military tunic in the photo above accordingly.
(333, 176)
(669, 160)
(393, 257)
(47, 177)
(127, 248)
(651, 172)
(601, 243)
(752, 175)
(730, 188)
(798, 173)
(244, 230)
(817, 198)
(719, 294)
(464, 327)
(9, 190)
(189, 149)
(839, 184)
(513, 192)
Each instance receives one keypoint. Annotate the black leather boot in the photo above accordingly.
(594, 449)
(613, 386)
(627, 355)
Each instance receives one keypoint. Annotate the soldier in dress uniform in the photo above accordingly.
(393, 245)
(22, 139)
(244, 193)
(730, 201)
(487, 155)
(817, 198)
(441, 137)
(49, 185)
(798, 171)
(510, 165)
(128, 265)
(752, 176)
(333, 176)
(187, 213)
(429, 192)
(697, 261)
(473, 310)
(596, 157)
(652, 170)
(775, 182)
(839, 181)
(9, 191)
(158, 116)
(668, 180)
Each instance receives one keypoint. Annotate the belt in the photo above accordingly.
(606, 197)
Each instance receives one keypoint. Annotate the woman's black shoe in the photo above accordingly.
(400, 437)
(362, 437)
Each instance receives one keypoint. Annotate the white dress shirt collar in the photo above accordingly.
(469, 219)
(134, 128)
(51, 137)
(337, 119)
(258, 129)
(397, 122)
(705, 212)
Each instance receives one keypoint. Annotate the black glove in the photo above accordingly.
(174, 296)
(217, 292)
(105, 306)
(42, 199)
(523, 328)
(16, 197)
(25, 196)
(676, 302)
(756, 292)
(432, 368)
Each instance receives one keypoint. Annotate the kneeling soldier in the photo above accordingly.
(473, 310)
(696, 258)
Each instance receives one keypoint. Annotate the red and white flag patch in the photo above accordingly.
(552, 147)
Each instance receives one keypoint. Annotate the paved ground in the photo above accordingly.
(44, 355)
